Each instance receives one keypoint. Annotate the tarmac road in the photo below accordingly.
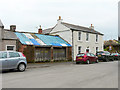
(64, 75)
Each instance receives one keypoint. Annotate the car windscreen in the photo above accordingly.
(114, 54)
(80, 54)
(107, 53)
(100, 53)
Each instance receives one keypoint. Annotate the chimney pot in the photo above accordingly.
(91, 27)
(12, 28)
(40, 30)
(59, 17)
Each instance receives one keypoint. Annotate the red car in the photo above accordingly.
(86, 58)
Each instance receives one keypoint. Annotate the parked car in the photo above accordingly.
(104, 56)
(12, 60)
(116, 56)
(86, 58)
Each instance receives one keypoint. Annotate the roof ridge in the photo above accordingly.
(77, 25)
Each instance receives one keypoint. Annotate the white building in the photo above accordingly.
(119, 21)
(82, 39)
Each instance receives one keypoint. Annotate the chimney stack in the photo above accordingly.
(91, 27)
(60, 19)
(12, 28)
(40, 30)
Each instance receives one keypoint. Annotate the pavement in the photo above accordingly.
(64, 75)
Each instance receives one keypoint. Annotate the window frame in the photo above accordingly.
(14, 47)
(79, 51)
(87, 37)
(97, 38)
(79, 36)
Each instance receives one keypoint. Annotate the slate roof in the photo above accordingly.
(74, 27)
(40, 40)
(47, 31)
(9, 34)
(80, 28)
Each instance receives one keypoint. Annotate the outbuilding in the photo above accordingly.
(43, 48)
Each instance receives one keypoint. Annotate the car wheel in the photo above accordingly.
(97, 61)
(21, 67)
(88, 62)
(77, 63)
(107, 60)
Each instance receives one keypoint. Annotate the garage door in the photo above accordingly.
(59, 53)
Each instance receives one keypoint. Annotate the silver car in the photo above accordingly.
(12, 60)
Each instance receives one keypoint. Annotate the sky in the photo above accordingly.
(28, 15)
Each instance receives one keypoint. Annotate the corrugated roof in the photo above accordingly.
(52, 40)
(39, 39)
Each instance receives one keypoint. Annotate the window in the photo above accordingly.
(13, 54)
(80, 54)
(79, 35)
(88, 54)
(79, 49)
(87, 36)
(92, 55)
(10, 47)
(96, 49)
(3, 55)
(96, 38)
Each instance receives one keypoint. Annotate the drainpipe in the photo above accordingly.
(72, 47)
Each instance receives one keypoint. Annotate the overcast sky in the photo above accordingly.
(29, 14)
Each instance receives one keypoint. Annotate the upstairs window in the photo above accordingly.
(87, 36)
(79, 36)
(96, 38)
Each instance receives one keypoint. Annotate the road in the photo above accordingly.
(70, 75)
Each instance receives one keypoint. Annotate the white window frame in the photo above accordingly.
(88, 37)
(80, 36)
(96, 38)
(78, 49)
(14, 49)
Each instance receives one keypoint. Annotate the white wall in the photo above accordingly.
(119, 19)
(1, 34)
(66, 34)
(92, 44)
(63, 32)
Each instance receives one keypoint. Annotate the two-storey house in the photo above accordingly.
(81, 38)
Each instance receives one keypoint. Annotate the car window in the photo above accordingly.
(100, 53)
(3, 55)
(80, 54)
(88, 54)
(92, 55)
(107, 53)
(13, 54)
